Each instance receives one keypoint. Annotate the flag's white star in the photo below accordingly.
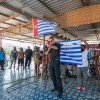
(35, 26)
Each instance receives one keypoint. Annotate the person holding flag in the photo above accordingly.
(54, 51)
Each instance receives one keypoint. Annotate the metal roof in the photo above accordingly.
(40, 9)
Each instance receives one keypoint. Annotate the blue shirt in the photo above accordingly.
(2, 55)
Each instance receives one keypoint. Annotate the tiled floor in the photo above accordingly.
(31, 88)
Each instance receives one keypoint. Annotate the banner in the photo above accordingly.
(70, 52)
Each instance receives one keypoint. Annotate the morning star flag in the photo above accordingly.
(70, 52)
(41, 27)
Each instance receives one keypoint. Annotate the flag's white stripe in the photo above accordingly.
(71, 47)
(78, 50)
(70, 61)
(79, 58)
(45, 26)
(49, 31)
(40, 30)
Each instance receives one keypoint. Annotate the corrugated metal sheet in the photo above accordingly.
(63, 5)
(6, 11)
(95, 1)
(35, 7)
(2, 17)
(12, 21)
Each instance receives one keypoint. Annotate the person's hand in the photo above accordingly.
(49, 48)
(46, 53)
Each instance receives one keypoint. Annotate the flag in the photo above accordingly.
(0, 39)
(70, 52)
(41, 27)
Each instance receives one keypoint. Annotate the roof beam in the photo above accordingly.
(24, 13)
(93, 26)
(85, 2)
(9, 24)
(11, 17)
(17, 26)
(46, 7)
(6, 5)
(25, 36)
(69, 32)
(14, 19)
(19, 40)
(2, 27)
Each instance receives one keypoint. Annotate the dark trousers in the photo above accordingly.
(27, 61)
(55, 75)
(2, 64)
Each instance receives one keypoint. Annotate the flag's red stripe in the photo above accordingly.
(0, 39)
(35, 27)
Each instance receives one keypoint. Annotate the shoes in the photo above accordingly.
(83, 88)
(60, 95)
(53, 90)
(78, 88)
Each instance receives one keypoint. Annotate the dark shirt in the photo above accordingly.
(28, 53)
(55, 54)
(14, 54)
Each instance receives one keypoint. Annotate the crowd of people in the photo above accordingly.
(51, 57)
(24, 58)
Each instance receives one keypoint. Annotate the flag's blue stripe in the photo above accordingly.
(78, 50)
(74, 56)
(71, 52)
(68, 63)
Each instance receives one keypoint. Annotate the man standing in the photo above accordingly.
(28, 55)
(54, 50)
(2, 58)
(13, 57)
(82, 69)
